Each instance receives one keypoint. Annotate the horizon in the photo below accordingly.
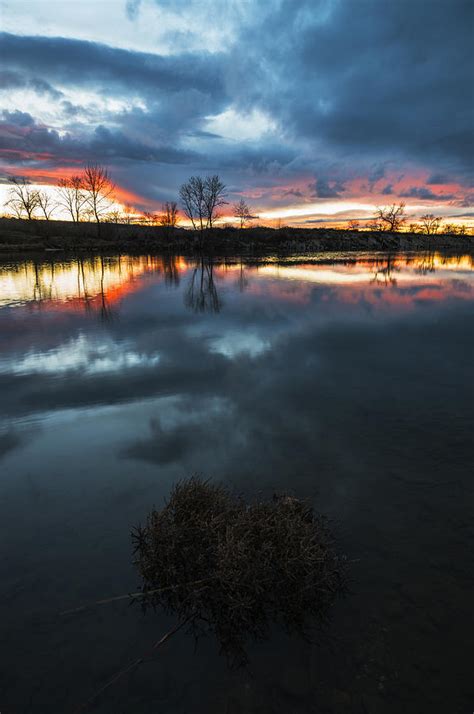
(313, 113)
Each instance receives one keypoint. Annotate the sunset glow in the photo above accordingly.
(112, 85)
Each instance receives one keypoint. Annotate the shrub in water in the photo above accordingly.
(233, 568)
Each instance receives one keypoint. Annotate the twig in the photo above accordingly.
(131, 666)
(132, 596)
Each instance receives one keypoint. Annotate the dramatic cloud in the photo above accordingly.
(325, 99)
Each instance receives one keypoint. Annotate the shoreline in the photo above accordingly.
(20, 236)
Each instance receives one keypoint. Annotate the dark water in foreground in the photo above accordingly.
(349, 383)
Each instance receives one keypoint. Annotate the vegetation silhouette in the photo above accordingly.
(231, 568)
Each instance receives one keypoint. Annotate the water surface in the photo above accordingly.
(349, 382)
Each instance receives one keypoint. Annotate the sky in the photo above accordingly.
(313, 111)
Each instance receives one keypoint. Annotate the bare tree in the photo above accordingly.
(214, 196)
(430, 223)
(46, 204)
(201, 198)
(72, 196)
(128, 215)
(23, 198)
(149, 219)
(114, 217)
(450, 228)
(99, 189)
(242, 212)
(353, 225)
(169, 216)
(192, 195)
(391, 218)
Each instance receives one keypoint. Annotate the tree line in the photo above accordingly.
(394, 219)
(89, 195)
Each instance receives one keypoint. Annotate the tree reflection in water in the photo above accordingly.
(201, 294)
(384, 271)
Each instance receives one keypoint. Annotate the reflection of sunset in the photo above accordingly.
(364, 271)
(102, 282)
(399, 281)
(81, 281)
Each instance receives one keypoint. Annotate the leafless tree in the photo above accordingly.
(72, 196)
(353, 225)
(150, 219)
(430, 223)
(99, 189)
(391, 218)
(201, 198)
(192, 197)
(169, 215)
(128, 215)
(462, 230)
(242, 212)
(23, 198)
(114, 217)
(450, 228)
(46, 204)
(214, 196)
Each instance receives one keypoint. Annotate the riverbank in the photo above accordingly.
(27, 236)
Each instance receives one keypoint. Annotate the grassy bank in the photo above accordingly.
(19, 235)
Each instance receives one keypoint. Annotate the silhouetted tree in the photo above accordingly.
(430, 223)
(214, 196)
(46, 204)
(72, 196)
(450, 228)
(201, 197)
(191, 194)
(169, 215)
(353, 225)
(391, 218)
(99, 189)
(128, 215)
(114, 217)
(150, 219)
(23, 198)
(242, 212)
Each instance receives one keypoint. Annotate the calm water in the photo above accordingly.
(351, 383)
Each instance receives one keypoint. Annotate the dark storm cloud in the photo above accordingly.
(358, 87)
(14, 80)
(371, 79)
(17, 118)
(323, 188)
(437, 179)
(82, 63)
(19, 133)
(425, 194)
